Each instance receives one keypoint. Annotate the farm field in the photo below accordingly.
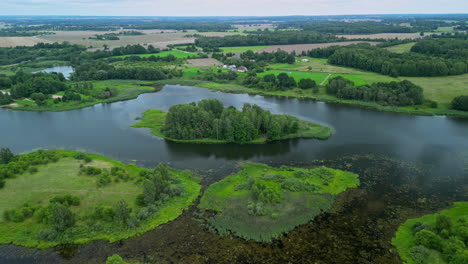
(402, 48)
(204, 62)
(157, 38)
(298, 48)
(19, 41)
(242, 49)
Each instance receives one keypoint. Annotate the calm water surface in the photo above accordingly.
(439, 142)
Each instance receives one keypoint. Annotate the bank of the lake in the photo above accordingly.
(125, 89)
(155, 119)
(101, 199)
(230, 87)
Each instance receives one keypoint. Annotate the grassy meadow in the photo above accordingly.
(177, 53)
(64, 177)
(241, 49)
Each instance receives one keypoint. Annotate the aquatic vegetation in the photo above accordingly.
(261, 202)
(74, 197)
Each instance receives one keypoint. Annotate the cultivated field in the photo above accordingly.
(18, 41)
(157, 38)
(298, 48)
(204, 62)
(383, 36)
(402, 48)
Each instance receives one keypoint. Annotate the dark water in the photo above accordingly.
(65, 70)
(437, 143)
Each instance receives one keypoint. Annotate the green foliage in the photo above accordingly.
(122, 212)
(262, 202)
(66, 199)
(20, 214)
(393, 93)
(460, 103)
(436, 238)
(6, 155)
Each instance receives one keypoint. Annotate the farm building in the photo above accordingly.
(200, 50)
(232, 67)
(242, 69)
(305, 60)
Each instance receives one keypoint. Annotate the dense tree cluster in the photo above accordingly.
(118, 51)
(106, 36)
(265, 38)
(460, 103)
(446, 48)
(210, 120)
(447, 237)
(280, 82)
(361, 27)
(38, 84)
(366, 57)
(45, 51)
(392, 93)
(101, 70)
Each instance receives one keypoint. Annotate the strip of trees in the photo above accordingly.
(366, 57)
(402, 93)
(210, 120)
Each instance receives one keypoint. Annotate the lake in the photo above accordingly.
(65, 70)
(394, 152)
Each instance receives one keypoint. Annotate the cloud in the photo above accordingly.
(224, 7)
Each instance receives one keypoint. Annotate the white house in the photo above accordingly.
(305, 60)
(242, 69)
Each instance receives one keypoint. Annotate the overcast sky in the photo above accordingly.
(228, 7)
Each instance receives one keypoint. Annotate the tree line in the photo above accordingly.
(265, 38)
(360, 27)
(369, 58)
(209, 119)
(402, 93)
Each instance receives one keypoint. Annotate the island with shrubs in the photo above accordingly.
(436, 238)
(210, 122)
(262, 202)
(65, 197)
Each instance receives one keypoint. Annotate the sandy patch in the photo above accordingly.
(205, 62)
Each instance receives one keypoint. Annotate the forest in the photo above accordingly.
(55, 51)
(402, 93)
(369, 58)
(265, 38)
(210, 119)
(361, 27)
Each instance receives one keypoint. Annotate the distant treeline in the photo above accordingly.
(265, 38)
(375, 59)
(18, 33)
(45, 51)
(363, 27)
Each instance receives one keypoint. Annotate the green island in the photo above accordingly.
(116, 259)
(66, 197)
(210, 122)
(435, 239)
(262, 202)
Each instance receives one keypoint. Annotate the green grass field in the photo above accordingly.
(232, 198)
(177, 53)
(404, 239)
(63, 177)
(402, 48)
(241, 49)
(155, 119)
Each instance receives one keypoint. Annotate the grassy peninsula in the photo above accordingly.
(262, 202)
(210, 123)
(436, 238)
(56, 197)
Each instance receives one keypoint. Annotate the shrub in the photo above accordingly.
(32, 170)
(294, 185)
(66, 199)
(49, 234)
(2, 183)
(105, 213)
(61, 218)
(419, 254)
(90, 170)
(442, 222)
(428, 239)
(460, 103)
